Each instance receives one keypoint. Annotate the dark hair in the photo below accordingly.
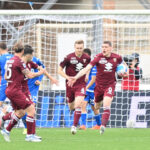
(3, 46)
(137, 57)
(88, 51)
(28, 50)
(18, 48)
(108, 42)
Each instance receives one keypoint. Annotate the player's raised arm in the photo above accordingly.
(52, 79)
(85, 70)
(31, 75)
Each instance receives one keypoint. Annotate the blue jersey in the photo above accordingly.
(92, 73)
(31, 82)
(3, 60)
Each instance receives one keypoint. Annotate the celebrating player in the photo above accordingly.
(106, 63)
(89, 98)
(73, 63)
(15, 72)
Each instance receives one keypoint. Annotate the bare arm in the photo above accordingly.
(91, 82)
(53, 80)
(31, 75)
(83, 71)
(62, 73)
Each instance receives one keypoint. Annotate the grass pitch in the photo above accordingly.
(62, 139)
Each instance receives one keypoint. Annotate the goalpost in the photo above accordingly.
(52, 35)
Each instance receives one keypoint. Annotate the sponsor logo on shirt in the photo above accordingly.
(108, 67)
(79, 66)
(73, 60)
(103, 61)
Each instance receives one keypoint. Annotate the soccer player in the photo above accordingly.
(73, 63)
(34, 83)
(15, 73)
(106, 63)
(89, 98)
(3, 59)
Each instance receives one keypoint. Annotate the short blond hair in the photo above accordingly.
(79, 42)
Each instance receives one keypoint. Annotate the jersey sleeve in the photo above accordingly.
(39, 62)
(94, 61)
(33, 65)
(21, 65)
(94, 71)
(120, 60)
(64, 62)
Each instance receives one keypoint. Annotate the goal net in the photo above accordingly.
(53, 35)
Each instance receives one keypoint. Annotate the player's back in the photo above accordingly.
(3, 59)
(14, 75)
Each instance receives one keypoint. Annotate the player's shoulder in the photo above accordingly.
(86, 56)
(114, 55)
(99, 55)
(70, 55)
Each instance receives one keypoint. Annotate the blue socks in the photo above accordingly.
(98, 119)
(83, 118)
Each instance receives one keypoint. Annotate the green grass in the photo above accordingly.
(61, 139)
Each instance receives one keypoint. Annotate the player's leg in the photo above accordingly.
(77, 112)
(83, 114)
(97, 118)
(96, 112)
(31, 126)
(107, 100)
(13, 121)
(106, 112)
(34, 95)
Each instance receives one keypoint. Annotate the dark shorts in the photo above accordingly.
(18, 99)
(72, 92)
(101, 92)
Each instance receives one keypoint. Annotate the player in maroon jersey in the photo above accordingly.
(15, 72)
(106, 63)
(73, 63)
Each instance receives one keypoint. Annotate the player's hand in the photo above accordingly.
(37, 82)
(123, 75)
(71, 81)
(54, 81)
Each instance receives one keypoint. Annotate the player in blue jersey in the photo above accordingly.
(89, 98)
(3, 59)
(34, 84)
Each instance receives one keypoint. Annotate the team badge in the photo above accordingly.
(84, 60)
(114, 59)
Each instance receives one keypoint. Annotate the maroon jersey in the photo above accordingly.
(106, 68)
(25, 87)
(14, 75)
(74, 64)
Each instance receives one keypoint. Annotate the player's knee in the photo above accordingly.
(1, 103)
(97, 106)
